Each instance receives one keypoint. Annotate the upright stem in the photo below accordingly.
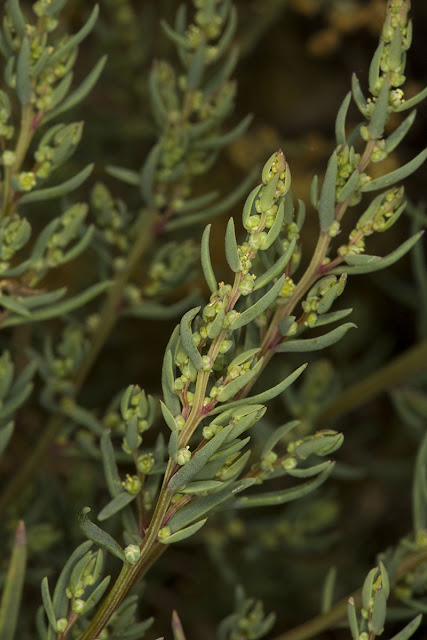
(338, 612)
(407, 364)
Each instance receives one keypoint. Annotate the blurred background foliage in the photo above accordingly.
(297, 57)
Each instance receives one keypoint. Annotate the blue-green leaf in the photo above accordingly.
(58, 190)
(231, 252)
(380, 113)
(119, 502)
(206, 261)
(340, 134)
(187, 337)
(327, 194)
(259, 306)
(285, 495)
(98, 536)
(395, 176)
(182, 534)
(315, 344)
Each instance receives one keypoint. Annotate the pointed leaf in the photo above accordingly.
(395, 176)
(327, 194)
(13, 585)
(385, 262)
(59, 190)
(182, 534)
(340, 134)
(380, 113)
(119, 502)
(98, 536)
(408, 631)
(189, 470)
(231, 251)
(285, 495)
(206, 261)
(265, 396)
(259, 306)
(187, 338)
(315, 344)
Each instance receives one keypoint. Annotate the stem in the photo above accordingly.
(24, 140)
(128, 577)
(407, 364)
(339, 611)
(108, 320)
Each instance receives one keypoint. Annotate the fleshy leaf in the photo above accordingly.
(206, 261)
(327, 194)
(187, 337)
(98, 536)
(315, 344)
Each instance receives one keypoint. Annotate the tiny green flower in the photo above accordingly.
(61, 624)
(184, 455)
(132, 553)
(164, 533)
(26, 180)
(78, 605)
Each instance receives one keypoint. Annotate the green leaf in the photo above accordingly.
(327, 194)
(173, 445)
(219, 141)
(59, 190)
(265, 396)
(395, 176)
(340, 134)
(395, 138)
(234, 470)
(216, 209)
(285, 495)
(358, 96)
(60, 600)
(197, 65)
(352, 619)
(187, 337)
(79, 94)
(98, 536)
(277, 435)
(315, 344)
(215, 327)
(231, 252)
(189, 470)
(277, 225)
(328, 590)
(17, 17)
(124, 175)
(75, 40)
(182, 534)
(308, 472)
(202, 505)
(168, 375)
(392, 257)
(206, 261)
(362, 259)
(314, 192)
(259, 306)
(201, 486)
(148, 174)
(412, 102)
(380, 113)
(111, 471)
(55, 7)
(419, 489)
(350, 187)
(23, 80)
(63, 307)
(192, 204)
(374, 68)
(169, 419)
(119, 502)
(96, 595)
(13, 585)
(367, 588)
(157, 311)
(379, 612)
(14, 305)
(47, 603)
(334, 316)
(409, 630)
(249, 206)
(233, 387)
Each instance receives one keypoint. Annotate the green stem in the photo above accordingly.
(338, 612)
(409, 363)
(108, 320)
(26, 133)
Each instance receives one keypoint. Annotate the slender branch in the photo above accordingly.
(409, 363)
(338, 612)
(108, 320)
